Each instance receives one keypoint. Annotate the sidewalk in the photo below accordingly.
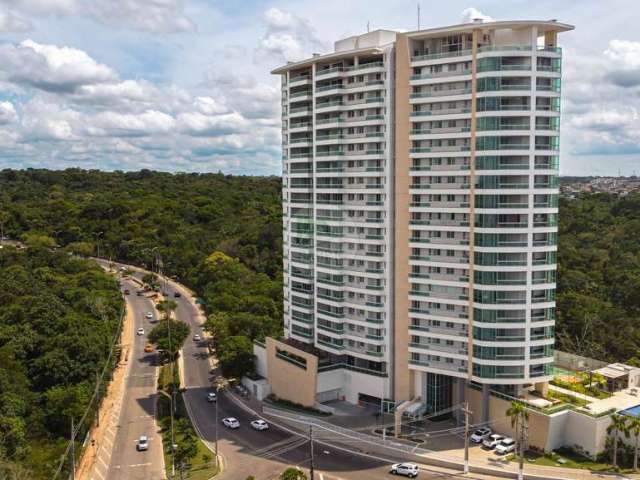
(97, 454)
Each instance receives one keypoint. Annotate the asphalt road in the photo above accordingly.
(137, 416)
(263, 454)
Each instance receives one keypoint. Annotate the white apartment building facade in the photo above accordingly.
(420, 190)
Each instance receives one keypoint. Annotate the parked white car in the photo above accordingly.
(143, 443)
(479, 435)
(196, 338)
(410, 470)
(148, 315)
(140, 331)
(507, 445)
(259, 425)
(492, 441)
(231, 422)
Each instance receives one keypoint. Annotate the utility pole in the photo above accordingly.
(466, 412)
(311, 449)
(97, 399)
(73, 451)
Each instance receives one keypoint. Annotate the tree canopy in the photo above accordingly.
(58, 317)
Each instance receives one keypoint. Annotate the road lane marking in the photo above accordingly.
(106, 465)
(140, 465)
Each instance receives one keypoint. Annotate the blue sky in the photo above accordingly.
(185, 84)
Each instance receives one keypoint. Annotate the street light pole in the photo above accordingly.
(216, 424)
(311, 476)
(466, 412)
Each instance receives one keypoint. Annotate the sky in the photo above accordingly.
(184, 85)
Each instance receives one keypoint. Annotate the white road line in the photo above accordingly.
(139, 465)
(106, 465)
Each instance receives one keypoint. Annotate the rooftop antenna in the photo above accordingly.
(367, 26)
(418, 16)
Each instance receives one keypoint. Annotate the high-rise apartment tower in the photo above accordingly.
(420, 202)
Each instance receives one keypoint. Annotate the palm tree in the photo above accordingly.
(519, 416)
(634, 428)
(167, 307)
(618, 425)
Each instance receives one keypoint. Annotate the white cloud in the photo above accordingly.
(7, 113)
(13, 23)
(116, 124)
(288, 37)
(50, 68)
(470, 14)
(156, 16)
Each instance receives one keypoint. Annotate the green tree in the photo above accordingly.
(167, 307)
(519, 416)
(618, 425)
(633, 428)
(35, 240)
(150, 279)
(236, 357)
(293, 474)
(169, 335)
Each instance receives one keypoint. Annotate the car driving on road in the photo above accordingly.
(196, 338)
(211, 397)
(143, 443)
(140, 331)
(406, 469)
(231, 422)
(148, 315)
(259, 425)
(480, 434)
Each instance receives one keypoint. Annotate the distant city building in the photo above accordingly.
(420, 195)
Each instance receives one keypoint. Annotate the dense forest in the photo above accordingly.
(220, 235)
(599, 277)
(58, 318)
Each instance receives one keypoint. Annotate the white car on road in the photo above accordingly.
(143, 443)
(148, 315)
(492, 441)
(211, 397)
(231, 422)
(407, 469)
(507, 445)
(480, 434)
(196, 338)
(140, 331)
(259, 425)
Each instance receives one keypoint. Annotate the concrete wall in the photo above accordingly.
(260, 389)
(538, 423)
(350, 383)
(402, 382)
(260, 353)
(289, 381)
(587, 432)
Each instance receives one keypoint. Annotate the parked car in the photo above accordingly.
(140, 293)
(196, 338)
(492, 441)
(231, 422)
(259, 425)
(143, 443)
(507, 445)
(177, 294)
(148, 315)
(406, 469)
(127, 291)
(479, 435)
(212, 397)
(140, 331)
(148, 348)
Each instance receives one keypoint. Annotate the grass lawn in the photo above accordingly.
(202, 466)
(571, 460)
